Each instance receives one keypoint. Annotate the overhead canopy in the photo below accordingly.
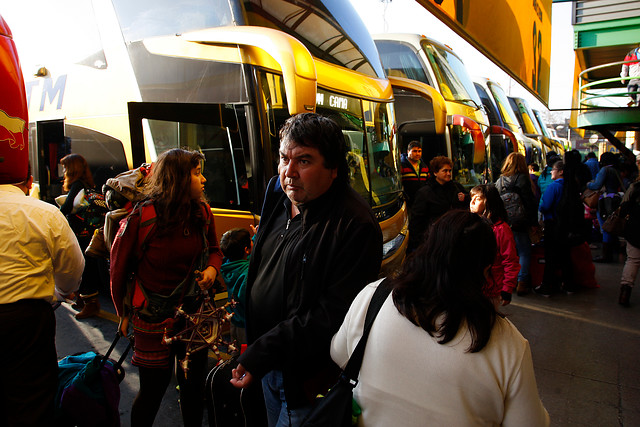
(514, 34)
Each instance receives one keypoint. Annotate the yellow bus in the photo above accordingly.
(127, 80)
(436, 103)
(505, 127)
(531, 127)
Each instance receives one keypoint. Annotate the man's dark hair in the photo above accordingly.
(322, 133)
(591, 155)
(234, 242)
(535, 167)
(413, 144)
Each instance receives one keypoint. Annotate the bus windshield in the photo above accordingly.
(503, 104)
(330, 29)
(367, 126)
(142, 19)
(455, 83)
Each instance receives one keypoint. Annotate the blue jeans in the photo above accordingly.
(278, 414)
(523, 246)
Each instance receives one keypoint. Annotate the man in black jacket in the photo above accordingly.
(317, 246)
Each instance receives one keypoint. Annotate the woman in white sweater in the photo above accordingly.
(438, 353)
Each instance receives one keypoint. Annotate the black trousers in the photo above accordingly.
(28, 363)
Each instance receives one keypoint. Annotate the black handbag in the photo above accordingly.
(334, 409)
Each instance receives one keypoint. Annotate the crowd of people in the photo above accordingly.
(302, 280)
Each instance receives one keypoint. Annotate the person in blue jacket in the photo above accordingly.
(236, 247)
(556, 253)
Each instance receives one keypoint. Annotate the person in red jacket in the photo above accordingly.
(164, 257)
(486, 202)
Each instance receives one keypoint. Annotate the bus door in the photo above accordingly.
(219, 132)
(47, 145)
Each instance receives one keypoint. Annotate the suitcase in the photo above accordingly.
(584, 271)
(89, 389)
(223, 399)
(228, 406)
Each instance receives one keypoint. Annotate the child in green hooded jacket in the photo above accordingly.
(236, 245)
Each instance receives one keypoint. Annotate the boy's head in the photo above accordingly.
(236, 244)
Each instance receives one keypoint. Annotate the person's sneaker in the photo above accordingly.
(543, 290)
(570, 289)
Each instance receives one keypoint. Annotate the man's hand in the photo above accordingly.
(240, 378)
(461, 196)
(207, 278)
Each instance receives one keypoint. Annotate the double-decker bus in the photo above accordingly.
(531, 127)
(505, 128)
(437, 104)
(121, 81)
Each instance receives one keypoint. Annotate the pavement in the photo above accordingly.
(585, 347)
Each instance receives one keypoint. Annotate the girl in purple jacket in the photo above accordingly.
(503, 275)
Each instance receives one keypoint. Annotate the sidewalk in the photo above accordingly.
(586, 353)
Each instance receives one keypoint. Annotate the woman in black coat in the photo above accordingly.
(439, 195)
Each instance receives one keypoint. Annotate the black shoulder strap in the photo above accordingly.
(355, 361)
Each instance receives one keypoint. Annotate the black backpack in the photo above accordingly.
(513, 204)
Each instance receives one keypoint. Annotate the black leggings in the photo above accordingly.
(154, 382)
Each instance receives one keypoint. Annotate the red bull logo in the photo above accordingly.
(11, 131)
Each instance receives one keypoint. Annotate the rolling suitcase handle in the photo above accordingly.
(118, 365)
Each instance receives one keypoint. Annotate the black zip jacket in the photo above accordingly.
(339, 251)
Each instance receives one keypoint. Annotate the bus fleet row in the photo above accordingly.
(120, 82)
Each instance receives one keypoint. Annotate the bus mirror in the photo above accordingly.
(297, 64)
(425, 91)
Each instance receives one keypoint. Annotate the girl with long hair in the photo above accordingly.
(486, 202)
(454, 360)
(515, 178)
(169, 244)
(78, 177)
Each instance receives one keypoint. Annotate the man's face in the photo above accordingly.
(303, 176)
(415, 154)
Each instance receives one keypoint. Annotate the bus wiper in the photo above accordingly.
(466, 101)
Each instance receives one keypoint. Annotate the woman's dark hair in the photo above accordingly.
(494, 208)
(440, 285)
(169, 185)
(76, 168)
(322, 133)
(608, 159)
(234, 242)
(439, 162)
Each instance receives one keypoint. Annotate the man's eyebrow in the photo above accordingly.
(303, 156)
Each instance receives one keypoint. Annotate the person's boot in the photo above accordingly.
(523, 288)
(91, 307)
(625, 295)
(78, 303)
(607, 253)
